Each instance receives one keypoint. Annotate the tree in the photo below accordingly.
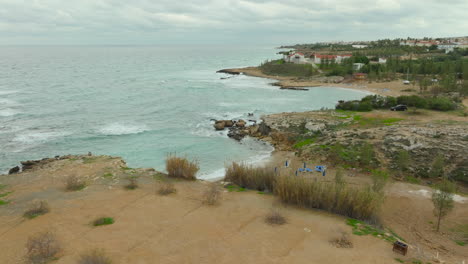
(437, 168)
(443, 200)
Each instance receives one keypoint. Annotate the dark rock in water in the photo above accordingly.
(237, 133)
(14, 170)
(228, 71)
(264, 129)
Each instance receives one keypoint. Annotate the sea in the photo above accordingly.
(141, 103)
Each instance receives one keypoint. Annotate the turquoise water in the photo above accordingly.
(140, 103)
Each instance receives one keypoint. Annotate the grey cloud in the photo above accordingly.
(168, 21)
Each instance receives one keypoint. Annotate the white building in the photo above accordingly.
(448, 47)
(295, 57)
(382, 60)
(319, 58)
(358, 46)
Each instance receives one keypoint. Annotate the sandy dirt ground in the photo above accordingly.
(179, 228)
(393, 88)
(408, 210)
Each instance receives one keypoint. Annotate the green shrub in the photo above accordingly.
(441, 104)
(103, 221)
(412, 101)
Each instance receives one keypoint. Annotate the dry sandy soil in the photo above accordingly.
(179, 228)
(393, 88)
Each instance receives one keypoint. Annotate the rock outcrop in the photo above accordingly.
(14, 170)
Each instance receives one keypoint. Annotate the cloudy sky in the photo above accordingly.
(270, 22)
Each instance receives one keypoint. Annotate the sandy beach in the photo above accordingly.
(393, 88)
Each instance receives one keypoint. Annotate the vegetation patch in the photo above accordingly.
(212, 195)
(179, 167)
(37, 209)
(281, 68)
(4, 202)
(275, 217)
(108, 175)
(132, 183)
(362, 229)
(234, 188)
(42, 248)
(304, 142)
(87, 160)
(166, 188)
(73, 183)
(96, 256)
(103, 221)
(248, 176)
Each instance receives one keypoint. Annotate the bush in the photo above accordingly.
(73, 183)
(441, 104)
(344, 200)
(166, 188)
(42, 248)
(412, 101)
(274, 217)
(132, 183)
(37, 209)
(96, 256)
(103, 221)
(181, 168)
(381, 102)
(247, 176)
(437, 168)
(212, 195)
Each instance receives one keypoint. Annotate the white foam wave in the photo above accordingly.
(8, 112)
(260, 159)
(7, 102)
(8, 92)
(38, 137)
(116, 129)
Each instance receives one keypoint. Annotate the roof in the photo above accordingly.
(296, 53)
(324, 56)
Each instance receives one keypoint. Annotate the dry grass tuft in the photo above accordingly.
(39, 208)
(42, 248)
(247, 176)
(212, 195)
(274, 217)
(342, 241)
(166, 188)
(73, 183)
(95, 256)
(178, 167)
(132, 183)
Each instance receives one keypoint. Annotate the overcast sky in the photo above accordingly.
(265, 22)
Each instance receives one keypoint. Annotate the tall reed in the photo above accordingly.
(179, 167)
(247, 176)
